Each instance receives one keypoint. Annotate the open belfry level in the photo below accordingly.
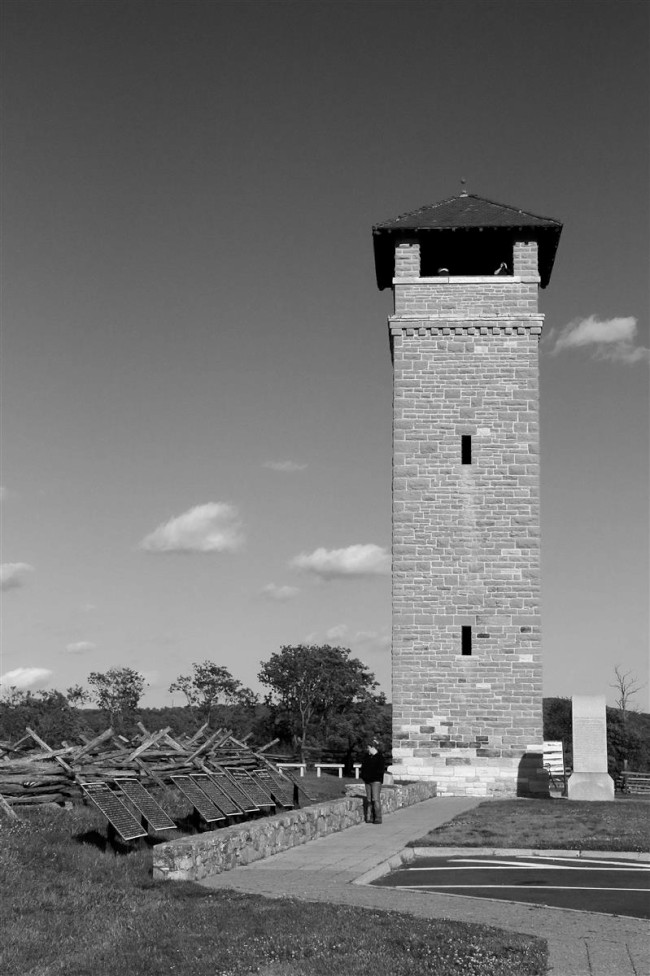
(467, 662)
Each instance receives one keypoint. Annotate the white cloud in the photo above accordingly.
(14, 574)
(354, 561)
(624, 352)
(609, 339)
(80, 647)
(370, 640)
(373, 639)
(280, 593)
(288, 467)
(26, 678)
(337, 633)
(214, 527)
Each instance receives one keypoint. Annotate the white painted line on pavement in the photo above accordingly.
(518, 866)
(641, 866)
(476, 887)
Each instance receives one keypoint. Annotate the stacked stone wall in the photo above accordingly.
(498, 297)
(525, 258)
(407, 260)
(196, 857)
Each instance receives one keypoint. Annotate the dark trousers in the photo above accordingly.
(372, 806)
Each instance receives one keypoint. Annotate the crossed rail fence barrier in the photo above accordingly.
(223, 779)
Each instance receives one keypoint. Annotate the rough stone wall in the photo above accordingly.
(466, 537)
(192, 858)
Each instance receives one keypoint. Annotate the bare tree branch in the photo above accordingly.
(627, 686)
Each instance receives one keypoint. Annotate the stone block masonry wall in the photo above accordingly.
(458, 298)
(466, 538)
(407, 260)
(196, 857)
(525, 258)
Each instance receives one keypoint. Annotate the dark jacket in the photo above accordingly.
(372, 768)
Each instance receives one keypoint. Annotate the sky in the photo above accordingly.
(196, 376)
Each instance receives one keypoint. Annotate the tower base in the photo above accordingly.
(590, 786)
(464, 774)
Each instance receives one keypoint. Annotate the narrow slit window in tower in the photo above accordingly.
(466, 641)
(466, 449)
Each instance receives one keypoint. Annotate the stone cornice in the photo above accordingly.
(480, 325)
(465, 319)
(470, 280)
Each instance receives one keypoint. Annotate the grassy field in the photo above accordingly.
(325, 787)
(72, 906)
(623, 825)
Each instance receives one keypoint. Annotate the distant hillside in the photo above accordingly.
(629, 740)
(54, 720)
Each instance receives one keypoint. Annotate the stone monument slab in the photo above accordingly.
(590, 779)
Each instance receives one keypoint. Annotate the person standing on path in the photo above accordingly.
(372, 774)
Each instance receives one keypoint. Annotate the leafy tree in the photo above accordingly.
(364, 720)
(212, 690)
(77, 696)
(623, 741)
(48, 713)
(118, 692)
(623, 744)
(313, 688)
(558, 722)
(639, 724)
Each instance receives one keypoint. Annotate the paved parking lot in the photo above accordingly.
(334, 869)
(593, 884)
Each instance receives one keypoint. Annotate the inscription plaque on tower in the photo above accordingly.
(590, 779)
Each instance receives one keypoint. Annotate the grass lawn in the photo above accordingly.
(324, 787)
(70, 906)
(623, 825)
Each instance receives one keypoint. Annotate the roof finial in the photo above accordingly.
(463, 192)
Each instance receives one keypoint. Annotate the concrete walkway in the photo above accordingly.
(580, 943)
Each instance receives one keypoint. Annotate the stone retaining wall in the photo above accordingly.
(195, 857)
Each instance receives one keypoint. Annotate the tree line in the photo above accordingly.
(318, 698)
(628, 734)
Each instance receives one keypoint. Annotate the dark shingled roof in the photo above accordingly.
(465, 212)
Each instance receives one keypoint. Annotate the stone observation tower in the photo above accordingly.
(467, 669)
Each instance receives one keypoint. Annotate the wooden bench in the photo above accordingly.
(302, 766)
(323, 765)
(633, 783)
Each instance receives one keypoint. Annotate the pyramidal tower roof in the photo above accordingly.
(466, 212)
